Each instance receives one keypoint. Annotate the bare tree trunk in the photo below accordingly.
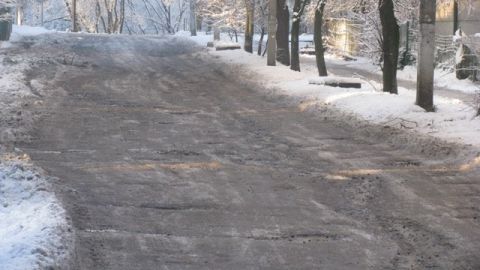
(248, 44)
(98, 13)
(193, 18)
(426, 52)
(295, 57)
(41, 13)
(260, 43)
(216, 33)
(19, 14)
(74, 16)
(122, 16)
(283, 50)
(109, 17)
(169, 20)
(199, 23)
(391, 40)
(318, 38)
(455, 16)
(272, 33)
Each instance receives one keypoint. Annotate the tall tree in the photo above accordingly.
(298, 9)
(225, 15)
(272, 33)
(455, 16)
(19, 12)
(112, 15)
(391, 43)
(318, 38)
(74, 16)
(261, 21)
(282, 37)
(193, 18)
(426, 52)
(249, 24)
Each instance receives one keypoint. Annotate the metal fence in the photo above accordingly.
(468, 50)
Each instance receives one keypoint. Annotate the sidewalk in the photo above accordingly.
(349, 69)
(455, 120)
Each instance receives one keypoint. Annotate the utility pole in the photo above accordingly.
(426, 55)
(74, 12)
(272, 33)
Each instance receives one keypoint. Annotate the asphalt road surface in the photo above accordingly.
(168, 160)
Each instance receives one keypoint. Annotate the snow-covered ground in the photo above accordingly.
(454, 120)
(33, 227)
(14, 90)
(34, 233)
(443, 78)
(19, 32)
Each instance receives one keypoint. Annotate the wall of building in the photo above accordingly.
(468, 18)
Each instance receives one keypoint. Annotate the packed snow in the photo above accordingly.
(454, 120)
(20, 31)
(14, 90)
(25, 30)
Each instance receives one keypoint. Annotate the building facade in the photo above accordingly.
(451, 16)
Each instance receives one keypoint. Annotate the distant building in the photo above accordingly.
(352, 37)
(451, 16)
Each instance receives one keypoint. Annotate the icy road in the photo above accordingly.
(167, 159)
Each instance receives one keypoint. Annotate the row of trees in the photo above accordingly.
(381, 30)
(107, 16)
(381, 17)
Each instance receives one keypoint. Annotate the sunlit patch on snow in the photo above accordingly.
(262, 112)
(475, 163)
(336, 177)
(359, 172)
(307, 104)
(214, 165)
(466, 167)
(10, 157)
(336, 97)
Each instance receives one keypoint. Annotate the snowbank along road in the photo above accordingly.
(169, 160)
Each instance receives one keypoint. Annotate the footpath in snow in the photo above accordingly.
(34, 232)
(443, 78)
(454, 121)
